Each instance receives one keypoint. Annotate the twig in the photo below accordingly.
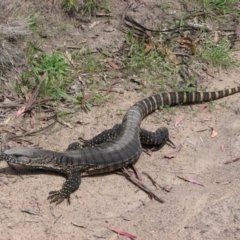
(232, 161)
(155, 183)
(14, 138)
(141, 185)
(80, 226)
(30, 212)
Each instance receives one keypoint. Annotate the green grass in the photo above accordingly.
(92, 6)
(211, 106)
(70, 6)
(154, 67)
(220, 6)
(99, 98)
(218, 54)
(57, 75)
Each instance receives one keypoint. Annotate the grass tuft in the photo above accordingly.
(218, 54)
(57, 75)
(220, 6)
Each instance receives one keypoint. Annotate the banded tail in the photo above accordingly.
(152, 103)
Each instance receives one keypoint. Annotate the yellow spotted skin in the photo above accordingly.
(155, 140)
(123, 149)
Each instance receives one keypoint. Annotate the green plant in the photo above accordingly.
(91, 6)
(70, 6)
(218, 54)
(56, 69)
(129, 37)
(139, 59)
(90, 63)
(105, 6)
(33, 23)
(220, 6)
(210, 106)
(98, 98)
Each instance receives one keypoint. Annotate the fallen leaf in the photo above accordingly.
(208, 73)
(172, 57)
(167, 51)
(214, 133)
(20, 111)
(187, 42)
(112, 64)
(202, 108)
(216, 37)
(191, 180)
(148, 48)
(224, 182)
(126, 234)
(173, 154)
(178, 122)
(32, 98)
(222, 147)
(87, 96)
(184, 40)
(197, 40)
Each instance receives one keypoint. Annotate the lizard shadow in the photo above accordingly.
(25, 171)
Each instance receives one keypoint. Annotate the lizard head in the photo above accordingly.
(35, 158)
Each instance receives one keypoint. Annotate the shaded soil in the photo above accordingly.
(190, 211)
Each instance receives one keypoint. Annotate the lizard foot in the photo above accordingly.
(57, 197)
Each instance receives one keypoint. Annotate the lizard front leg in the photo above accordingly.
(72, 183)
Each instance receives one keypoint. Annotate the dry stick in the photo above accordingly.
(30, 212)
(155, 183)
(138, 174)
(232, 161)
(14, 105)
(34, 132)
(141, 185)
(151, 179)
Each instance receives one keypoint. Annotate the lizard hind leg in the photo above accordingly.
(72, 183)
(155, 139)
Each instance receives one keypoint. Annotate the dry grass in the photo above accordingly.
(13, 28)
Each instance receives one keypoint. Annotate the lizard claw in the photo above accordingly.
(57, 197)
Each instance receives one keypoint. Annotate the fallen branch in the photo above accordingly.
(141, 185)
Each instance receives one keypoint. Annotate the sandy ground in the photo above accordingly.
(190, 211)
